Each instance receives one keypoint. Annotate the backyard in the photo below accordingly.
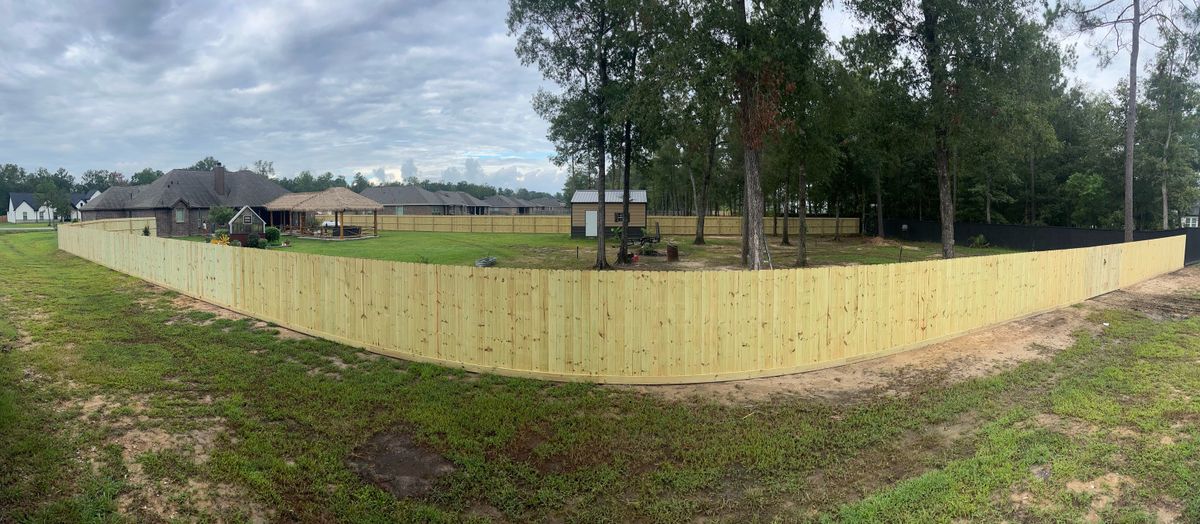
(122, 401)
(560, 251)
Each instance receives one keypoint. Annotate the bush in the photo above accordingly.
(272, 234)
(252, 240)
(146, 231)
(979, 241)
(263, 243)
(235, 243)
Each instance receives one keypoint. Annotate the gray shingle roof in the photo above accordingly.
(611, 196)
(195, 188)
(551, 203)
(503, 201)
(403, 196)
(459, 198)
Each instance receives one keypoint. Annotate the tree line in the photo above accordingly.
(56, 186)
(935, 109)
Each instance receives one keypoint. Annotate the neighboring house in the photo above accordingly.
(547, 206)
(79, 201)
(1191, 218)
(506, 205)
(460, 203)
(585, 208)
(180, 200)
(23, 207)
(415, 200)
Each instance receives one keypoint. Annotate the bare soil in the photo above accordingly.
(977, 354)
(393, 462)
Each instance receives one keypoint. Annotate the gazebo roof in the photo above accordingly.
(332, 199)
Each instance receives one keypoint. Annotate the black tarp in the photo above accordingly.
(1032, 238)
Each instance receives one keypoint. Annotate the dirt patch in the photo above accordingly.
(1103, 490)
(396, 464)
(982, 353)
(1069, 426)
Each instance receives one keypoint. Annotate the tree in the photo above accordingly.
(265, 168)
(574, 44)
(145, 176)
(1116, 15)
(208, 163)
(1172, 100)
(360, 183)
(219, 215)
(54, 197)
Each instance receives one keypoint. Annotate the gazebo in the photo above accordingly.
(294, 209)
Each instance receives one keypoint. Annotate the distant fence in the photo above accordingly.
(1032, 238)
(670, 225)
(623, 326)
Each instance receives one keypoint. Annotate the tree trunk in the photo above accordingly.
(1166, 221)
(1030, 212)
(623, 252)
(878, 205)
(787, 211)
(936, 67)
(601, 157)
(1131, 117)
(702, 199)
(1166, 209)
(987, 198)
(837, 219)
(802, 216)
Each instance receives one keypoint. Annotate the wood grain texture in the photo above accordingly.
(622, 326)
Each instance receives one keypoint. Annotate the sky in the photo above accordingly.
(347, 86)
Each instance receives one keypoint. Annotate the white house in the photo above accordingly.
(23, 207)
(79, 201)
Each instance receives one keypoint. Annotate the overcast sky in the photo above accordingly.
(347, 86)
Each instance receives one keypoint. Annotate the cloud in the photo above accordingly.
(350, 86)
(309, 85)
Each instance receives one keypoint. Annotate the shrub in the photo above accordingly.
(146, 231)
(252, 240)
(272, 234)
(979, 241)
(220, 215)
(219, 240)
(235, 243)
(263, 243)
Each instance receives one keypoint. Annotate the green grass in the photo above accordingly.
(556, 251)
(284, 415)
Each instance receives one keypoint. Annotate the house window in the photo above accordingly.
(246, 219)
(618, 217)
(24, 215)
(1191, 221)
(180, 216)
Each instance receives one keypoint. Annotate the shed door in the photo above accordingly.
(590, 223)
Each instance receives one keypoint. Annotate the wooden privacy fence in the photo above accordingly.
(624, 326)
(671, 225)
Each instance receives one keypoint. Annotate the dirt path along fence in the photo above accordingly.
(623, 326)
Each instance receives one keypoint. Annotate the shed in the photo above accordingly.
(585, 207)
(294, 209)
(244, 223)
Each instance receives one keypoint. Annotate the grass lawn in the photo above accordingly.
(117, 404)
(552, 251)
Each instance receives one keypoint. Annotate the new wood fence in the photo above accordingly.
(623, 326)
(670, 225)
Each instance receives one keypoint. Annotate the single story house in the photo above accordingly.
(79, 200)
(547, 206)
(22, 207)
(585, 207)
(416, 200)
(506, 205)
(180, 200)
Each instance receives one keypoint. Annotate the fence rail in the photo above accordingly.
(623, 326)
(670, 225)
